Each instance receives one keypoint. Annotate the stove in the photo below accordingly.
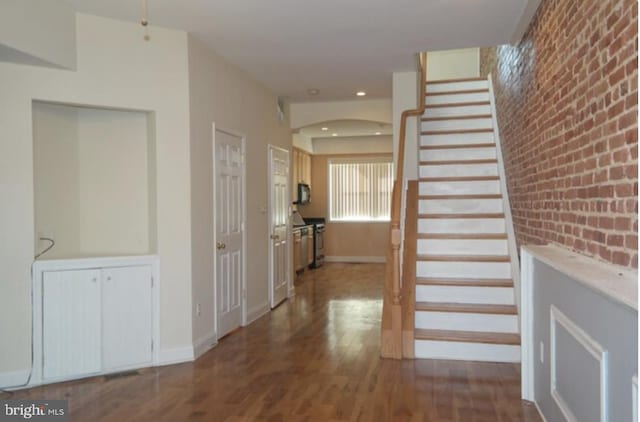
(318, 240)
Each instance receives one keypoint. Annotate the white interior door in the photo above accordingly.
(229, 222)
(278, 224)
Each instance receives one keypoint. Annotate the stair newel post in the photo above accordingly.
(392, 312)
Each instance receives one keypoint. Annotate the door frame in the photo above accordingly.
(243, 140)
(290, 290)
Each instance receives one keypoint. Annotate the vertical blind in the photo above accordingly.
(360, 190)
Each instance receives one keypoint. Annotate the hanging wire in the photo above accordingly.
(48, 248)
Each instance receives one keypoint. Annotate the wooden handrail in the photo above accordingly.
(392, 312)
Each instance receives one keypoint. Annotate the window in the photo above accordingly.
(360, 190)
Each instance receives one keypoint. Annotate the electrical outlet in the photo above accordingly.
(541, 352)
(198, 310)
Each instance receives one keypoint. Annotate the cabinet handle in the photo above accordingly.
(275, 237)
(220, 245)
(94, 279)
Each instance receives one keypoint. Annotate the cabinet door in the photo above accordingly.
(126, 317)
(297, 245)
(310, 248)
(70, 323)
(294, 176)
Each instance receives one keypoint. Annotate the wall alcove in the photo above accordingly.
(94, 181)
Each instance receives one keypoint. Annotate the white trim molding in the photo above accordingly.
(356, 259)
(526, 327)
(15, 380)
(257, 312)
(594, 348)
(204, 344)
(508, 218)
(634, 395)
(175, 355)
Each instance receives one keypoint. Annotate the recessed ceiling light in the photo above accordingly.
(313, 91)
(334, 134)
(361, 93)
(325, 128)
(378, 133)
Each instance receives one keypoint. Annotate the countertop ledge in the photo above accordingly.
(618, 283)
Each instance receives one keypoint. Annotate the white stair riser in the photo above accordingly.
(457, 139)
(457, 98)
(472, 110)
(462, 246)
(458, 86)
(465, 294)
(458, 154)
(460, 188)
(460, 321)
(445, 269)
(428, 349)
(461, 225)
(458, 170)
(457, 124)
(459, 206)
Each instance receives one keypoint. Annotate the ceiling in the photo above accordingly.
(335, 46)
(346, 128)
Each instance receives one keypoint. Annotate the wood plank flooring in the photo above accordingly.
(314, 358)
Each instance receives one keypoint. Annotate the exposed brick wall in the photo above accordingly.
(488, 60)
(567, 108)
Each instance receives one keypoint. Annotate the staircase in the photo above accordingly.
(464, 292)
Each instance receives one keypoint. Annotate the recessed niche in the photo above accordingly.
(94, 183)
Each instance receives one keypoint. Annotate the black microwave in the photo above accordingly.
(304, 194)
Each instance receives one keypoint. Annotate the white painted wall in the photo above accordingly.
(305, 114)
(90, 197)
(302, 142)
(453, 64)
(405, 97)
(117, 69)
(353, 145)
(221, 93)
(41, 32)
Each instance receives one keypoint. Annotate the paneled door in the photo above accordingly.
(278, 224)
(229, 225)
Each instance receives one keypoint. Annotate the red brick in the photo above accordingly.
(567, 106)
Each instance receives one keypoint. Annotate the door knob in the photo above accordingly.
(275, 237)
(220, 245)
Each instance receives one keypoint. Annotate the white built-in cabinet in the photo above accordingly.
(93, 316)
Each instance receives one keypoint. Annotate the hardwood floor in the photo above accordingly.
(314, 358)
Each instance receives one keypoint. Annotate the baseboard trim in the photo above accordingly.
(257, 312)
(175, 355)
(14, 380)
(356, 259)
(204, 344)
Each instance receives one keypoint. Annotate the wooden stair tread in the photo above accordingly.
(459, 162)
(468, 336)
(459, 179)
(461, 117)
(481, 236)
(450, 81)
(471, 103)
(459, 215)
(467, 308)
(470, 196)
(458, 146)
(456, 131)
(465, 282)
(464, 258)
(462, 91)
